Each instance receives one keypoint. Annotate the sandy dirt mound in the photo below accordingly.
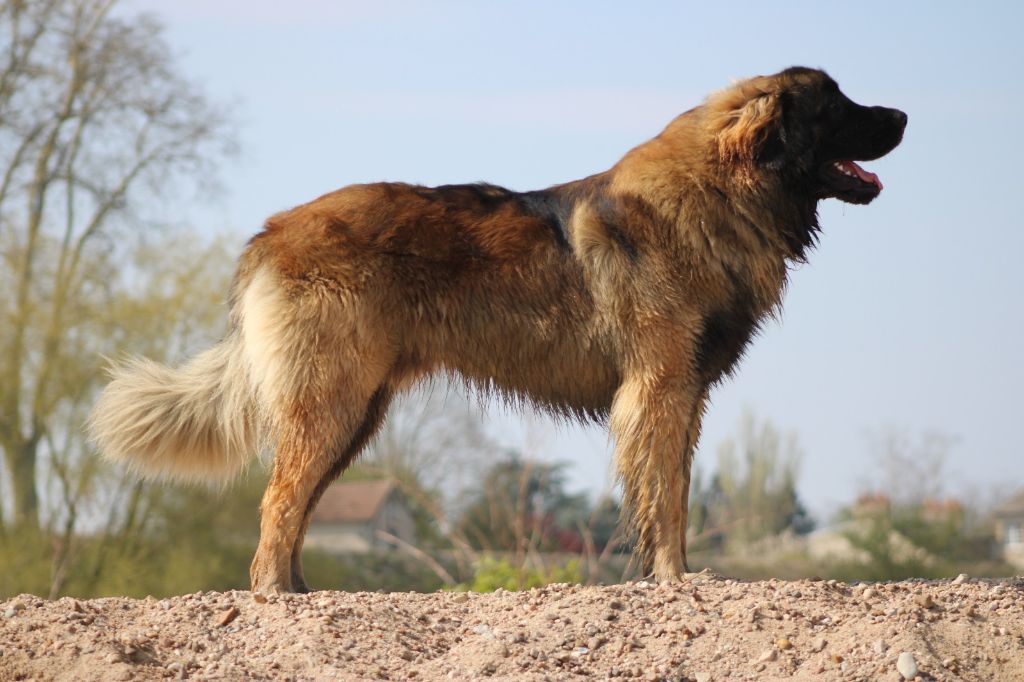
(708, 628)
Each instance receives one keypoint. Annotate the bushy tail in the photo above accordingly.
(199, 422)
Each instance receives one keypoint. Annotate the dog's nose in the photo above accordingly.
(900, 117)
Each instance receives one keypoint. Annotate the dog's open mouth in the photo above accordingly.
(849, 182)
(852, 170)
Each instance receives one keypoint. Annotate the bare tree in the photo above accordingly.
(175, 308)
(94, 125)
(753, 492)
(908, 469)
(433, 439)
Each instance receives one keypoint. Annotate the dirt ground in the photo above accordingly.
(707, 628)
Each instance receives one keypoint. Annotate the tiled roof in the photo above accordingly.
(353, 501)
(1012, 507)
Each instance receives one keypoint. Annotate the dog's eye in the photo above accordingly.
(833, 108)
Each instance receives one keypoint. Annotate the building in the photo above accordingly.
(361, 516)
(1009, 518)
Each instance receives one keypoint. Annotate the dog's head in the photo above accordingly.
(800, 126)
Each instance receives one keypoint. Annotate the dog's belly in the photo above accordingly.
(557, 375)
(531, 341)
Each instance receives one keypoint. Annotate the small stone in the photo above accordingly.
(784, 644)
(769, 655)
(818, 644)
(259, 598)
(960, 579)
(483, 630)
(702, 677)
(906, 665)
(113, 658)
(868, 593)
(228, 616)
(925, 601)
(880, 646)
(461, 598)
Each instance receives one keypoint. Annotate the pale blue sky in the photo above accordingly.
(909, 313)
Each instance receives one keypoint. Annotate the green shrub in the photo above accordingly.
(490, 573)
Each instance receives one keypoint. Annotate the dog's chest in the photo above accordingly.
(729, 326)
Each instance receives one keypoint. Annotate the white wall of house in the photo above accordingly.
(340, 538)
(393, 518)
(396, 520)
(1010, 535)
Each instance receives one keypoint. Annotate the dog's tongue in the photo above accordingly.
(863, 174)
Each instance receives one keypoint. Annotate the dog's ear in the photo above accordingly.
(746, 122)
(754, 130)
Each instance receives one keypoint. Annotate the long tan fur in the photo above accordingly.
(623, 297)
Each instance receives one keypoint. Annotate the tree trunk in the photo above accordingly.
(21, 464)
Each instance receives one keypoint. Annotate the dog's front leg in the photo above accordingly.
(655, 422)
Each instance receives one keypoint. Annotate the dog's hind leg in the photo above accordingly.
(318, 356)
(651, 419)
(374, 417)
(314, 440)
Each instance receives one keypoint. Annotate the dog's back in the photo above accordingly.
(474, 280)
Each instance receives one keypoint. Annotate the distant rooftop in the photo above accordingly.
(352, 502)
(1012, 507)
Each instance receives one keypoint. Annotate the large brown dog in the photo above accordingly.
(626, 295)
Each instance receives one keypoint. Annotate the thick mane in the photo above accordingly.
(720, 163)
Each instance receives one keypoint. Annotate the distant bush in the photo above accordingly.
(489, 574)
(390, 571)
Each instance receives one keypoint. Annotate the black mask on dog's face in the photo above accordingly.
(823, 134)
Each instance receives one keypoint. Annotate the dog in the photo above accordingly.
(622, 298)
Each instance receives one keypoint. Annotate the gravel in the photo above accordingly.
(705, 629)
